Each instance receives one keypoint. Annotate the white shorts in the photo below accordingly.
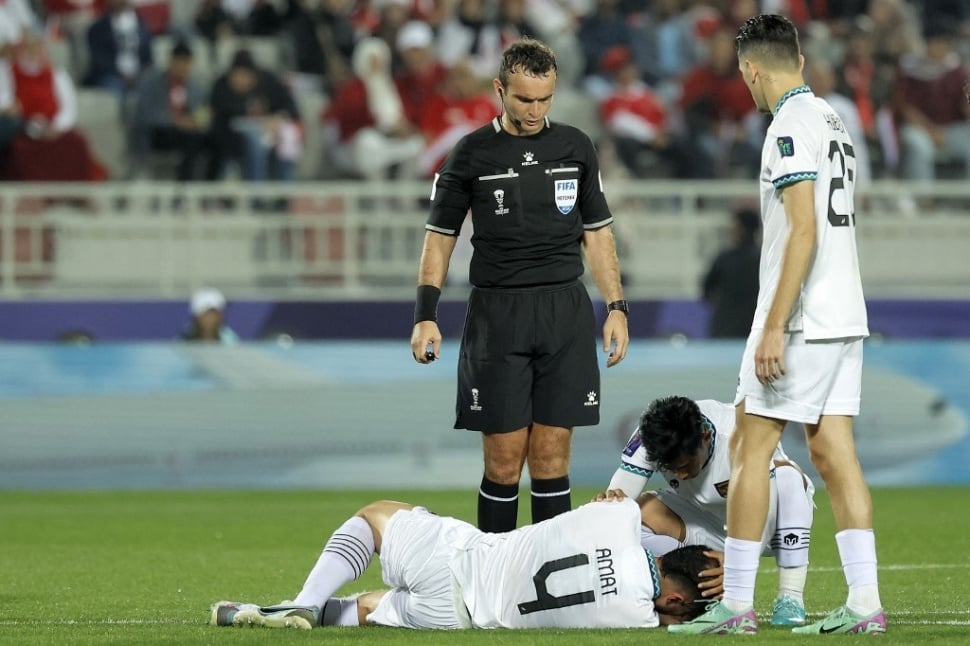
(706, 528)
(415, 553)
(821, 378)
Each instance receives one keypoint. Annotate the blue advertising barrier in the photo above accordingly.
(162, 320)
(352, 414)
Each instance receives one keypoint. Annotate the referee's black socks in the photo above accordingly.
(550, 498)
(498, 506)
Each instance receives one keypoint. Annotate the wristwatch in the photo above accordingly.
(621, 306)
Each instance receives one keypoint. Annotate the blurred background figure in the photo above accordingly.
(224, 19)
(730, 286)
(119, 49)
(208, 309)
(422, 74)
(471, 34)
(635, 119)
(665, 44)
(934, 120)
(168, 117)
(369, 134)
(721, 121)
(73, 18)
(820, 76)
(391, 16)
(16, 16)
(460, 106)
(38, 105)
(255, 122)
(322, 37)
(603, 29)
(870, 87)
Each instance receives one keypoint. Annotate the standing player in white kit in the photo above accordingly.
(803, 359)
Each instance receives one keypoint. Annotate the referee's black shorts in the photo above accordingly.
(528, 355)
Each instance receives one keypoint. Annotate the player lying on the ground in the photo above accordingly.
(582, 569)
(688, 443)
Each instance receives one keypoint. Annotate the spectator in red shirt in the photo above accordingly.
(422, 73)
(42, 98)
(367, 128)
(934, 118)
(462, 105)
(722, 123)
(636, 121)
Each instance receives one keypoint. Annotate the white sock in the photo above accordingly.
(340, 612)
(794, 513)
(344, 558)
(857, 549)
(657, 543)
(740, 571)
(791, 582)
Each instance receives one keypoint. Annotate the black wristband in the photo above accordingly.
(426, 304)
(619, 306)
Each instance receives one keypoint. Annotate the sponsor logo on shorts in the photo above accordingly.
(591, 399)
(475, 405)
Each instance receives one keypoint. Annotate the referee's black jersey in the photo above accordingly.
(531, 199)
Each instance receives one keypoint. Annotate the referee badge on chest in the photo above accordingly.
(566, 192)
(499, 195)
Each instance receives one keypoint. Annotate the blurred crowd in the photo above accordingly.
(380, 89)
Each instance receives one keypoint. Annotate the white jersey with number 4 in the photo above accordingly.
(807, 141)
(585, 569)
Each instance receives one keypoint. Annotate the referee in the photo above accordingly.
(527, 369)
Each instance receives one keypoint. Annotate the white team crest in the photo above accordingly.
(567, 190)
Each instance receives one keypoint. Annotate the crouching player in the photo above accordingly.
(582, 569)
(688, 443)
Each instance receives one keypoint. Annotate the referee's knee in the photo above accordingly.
(545, 467)
(505, 473)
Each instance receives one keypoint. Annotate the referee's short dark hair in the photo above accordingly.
(529, 56)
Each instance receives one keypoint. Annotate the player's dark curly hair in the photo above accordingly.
(682, 566)
(769, 38)
(528, 55)
(671, 429)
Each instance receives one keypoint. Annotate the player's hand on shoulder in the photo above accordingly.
(611, 494)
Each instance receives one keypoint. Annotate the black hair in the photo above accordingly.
(181, 50)
(771, 39)
(682, 566)
(939, 27)
(671, 429)
(528, 56)
(750, 222)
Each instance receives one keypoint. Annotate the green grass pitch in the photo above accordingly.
(144, 567)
